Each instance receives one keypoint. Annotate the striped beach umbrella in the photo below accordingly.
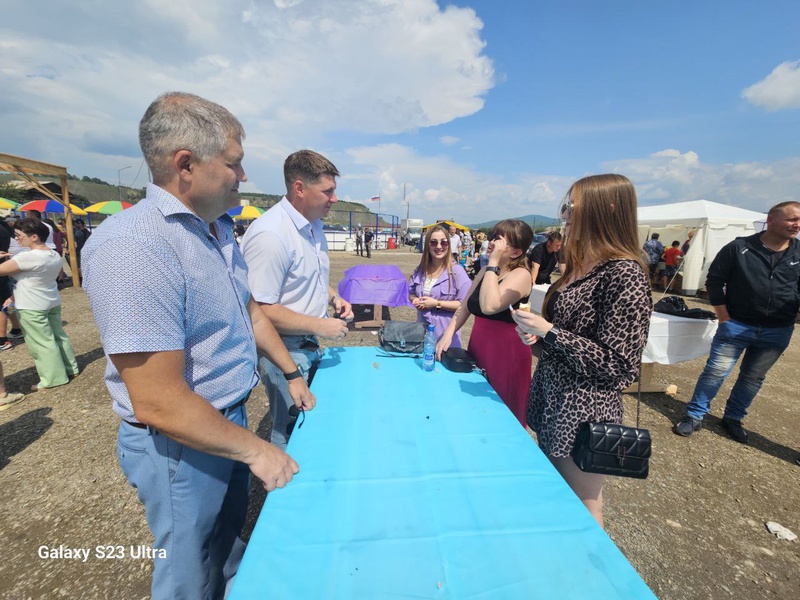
(245, 213)
(8, 204)
(109, 207)
(45, 206)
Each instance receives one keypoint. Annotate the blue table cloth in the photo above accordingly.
(423, 485)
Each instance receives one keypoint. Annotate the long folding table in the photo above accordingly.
(418, 484)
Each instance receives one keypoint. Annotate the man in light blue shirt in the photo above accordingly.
(289, 273)
(168, 289)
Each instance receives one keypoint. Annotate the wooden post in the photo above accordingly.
(71, 248)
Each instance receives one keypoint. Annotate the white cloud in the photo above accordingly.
(779, 90)
(300, 72)
(439, 188)
(294, 71)
(672, 176)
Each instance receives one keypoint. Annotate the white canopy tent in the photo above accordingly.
(715, 225)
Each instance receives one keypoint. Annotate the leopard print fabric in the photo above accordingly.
(604, 319)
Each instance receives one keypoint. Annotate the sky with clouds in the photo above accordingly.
(482, 109)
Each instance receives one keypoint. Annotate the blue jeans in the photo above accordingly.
(196, 505)
(277, 387)
(762, 346)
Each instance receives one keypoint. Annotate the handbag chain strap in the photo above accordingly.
(638, 395)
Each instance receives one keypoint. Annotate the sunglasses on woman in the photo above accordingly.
(566, 209)
(435, 243)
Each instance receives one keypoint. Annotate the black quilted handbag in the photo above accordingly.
(612, 448)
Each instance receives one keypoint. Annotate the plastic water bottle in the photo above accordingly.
(429, 350)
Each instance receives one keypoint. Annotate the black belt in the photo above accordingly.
(221, 410)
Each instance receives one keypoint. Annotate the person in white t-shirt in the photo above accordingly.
(38, 304)
(455, 243)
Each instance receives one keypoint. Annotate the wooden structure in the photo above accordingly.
(25, 169)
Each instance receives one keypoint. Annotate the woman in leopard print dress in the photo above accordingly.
(595, 324)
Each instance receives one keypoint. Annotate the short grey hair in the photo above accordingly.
(180, 121)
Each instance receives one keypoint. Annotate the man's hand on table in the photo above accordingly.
(271, 465)
(301, 394)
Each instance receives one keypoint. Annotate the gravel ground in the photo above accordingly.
(694, 529)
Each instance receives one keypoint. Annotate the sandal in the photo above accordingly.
(10, 399)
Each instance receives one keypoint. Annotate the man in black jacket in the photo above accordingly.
(754, 287)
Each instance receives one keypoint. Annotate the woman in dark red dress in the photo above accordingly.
(494, 343)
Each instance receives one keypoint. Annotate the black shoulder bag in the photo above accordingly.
(400, 337)
(612, 448)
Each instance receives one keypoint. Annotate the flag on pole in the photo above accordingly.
(375, 198)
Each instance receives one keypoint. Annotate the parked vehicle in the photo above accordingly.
(411, 230)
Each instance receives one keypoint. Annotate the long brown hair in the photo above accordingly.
(518, 235)
(603, 223)
(426, 262)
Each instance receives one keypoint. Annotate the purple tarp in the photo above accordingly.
(375, 284)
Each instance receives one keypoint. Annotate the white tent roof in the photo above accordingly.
(696, 213)
(714, 224)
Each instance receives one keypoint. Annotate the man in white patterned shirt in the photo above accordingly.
(168, 288)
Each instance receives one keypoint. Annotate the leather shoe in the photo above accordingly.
(687, 426)
(735, 430)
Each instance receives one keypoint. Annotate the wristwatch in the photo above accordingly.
(293, 375)
(438, 306)
(495, 270)
(550, 336)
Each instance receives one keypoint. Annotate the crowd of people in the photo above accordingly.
(233, 308)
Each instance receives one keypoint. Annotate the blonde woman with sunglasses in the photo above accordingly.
(595, 324)
(439, 284)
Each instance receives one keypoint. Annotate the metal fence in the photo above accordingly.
(340, 226)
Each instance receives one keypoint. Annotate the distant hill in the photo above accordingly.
(537, 222)
(339, 215)
(84, 193)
